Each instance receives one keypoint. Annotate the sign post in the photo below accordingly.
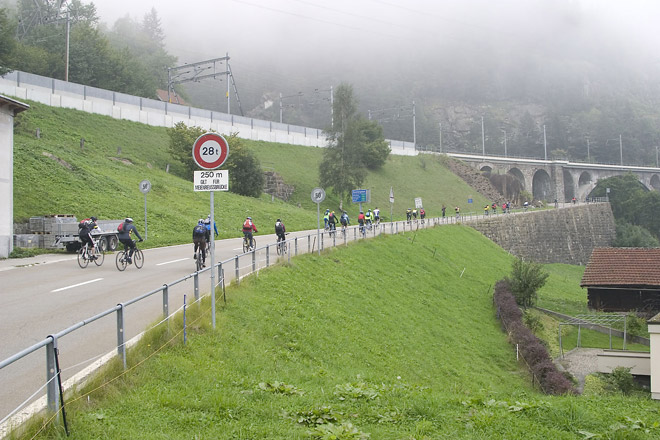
(145, 187)
(391, 202)
(318, 195)
(209, 152)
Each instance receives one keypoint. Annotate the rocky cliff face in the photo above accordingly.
(475, 179)
(275, 186)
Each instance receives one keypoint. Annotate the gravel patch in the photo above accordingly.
(580, 362)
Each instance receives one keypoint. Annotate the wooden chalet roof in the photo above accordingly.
(623, 267)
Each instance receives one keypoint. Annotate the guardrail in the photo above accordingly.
(240, 266)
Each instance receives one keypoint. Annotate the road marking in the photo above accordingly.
(75, 285)
(173, 261)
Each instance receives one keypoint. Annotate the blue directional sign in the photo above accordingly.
(361, 195)
(469, 200)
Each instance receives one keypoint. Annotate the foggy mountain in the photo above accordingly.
(584, 69)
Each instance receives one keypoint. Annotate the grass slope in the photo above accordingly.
(394, 337)
(54, 175)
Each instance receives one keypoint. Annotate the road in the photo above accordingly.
(47, 294)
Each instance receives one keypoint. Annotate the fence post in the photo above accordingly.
(196, 285)
(254, 260)
(51, 388)
(296, 245)
(309, 244)
(121, 344)
(166, 312)
(238, 272)
(267, 255)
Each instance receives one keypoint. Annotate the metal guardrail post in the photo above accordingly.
(254, 260)
(295, 241)
(238, 271)
(51, 388)
(121, 345)
(196, 285)
(309, 244)
(166, 311)
(267, 255)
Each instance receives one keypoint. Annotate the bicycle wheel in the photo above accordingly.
(120, 261)
(100, 256)
(246, 246)
(83, 261)
(138, 258)
(279, 247)
(253, 244)
(198, 262)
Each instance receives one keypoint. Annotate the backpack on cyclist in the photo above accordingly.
(120, 228)
(247, 225)
(84, 223)
(199, 230)
(278, 228)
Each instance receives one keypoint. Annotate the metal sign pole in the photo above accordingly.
(145, 216)
(318, 227)
(212, 236)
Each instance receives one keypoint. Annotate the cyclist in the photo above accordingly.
(332, 221)
(326, 218)
(248, 228)
(125, 237)
(199, 239)
(84, 232)
(280, 230)
(376, 216)
(458, 211)
(361, 218)
(408, 214)
(344, 220)
(368, 218)
(414, 213)
(207, 225)
(422, 214)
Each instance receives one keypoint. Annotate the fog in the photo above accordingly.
(286, 45)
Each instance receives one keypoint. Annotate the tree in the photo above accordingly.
(628, 235)
(7, 43)
(355, 145)
(245, 174)
(526, 279)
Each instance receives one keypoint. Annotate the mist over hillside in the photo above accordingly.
(587, 70)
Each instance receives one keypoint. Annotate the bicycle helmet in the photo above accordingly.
(93, 218)
(200, 221)
(279, 220)
(128, 220)
(249, 218)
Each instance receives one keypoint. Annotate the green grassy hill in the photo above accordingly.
(397, 338)
(54, 175)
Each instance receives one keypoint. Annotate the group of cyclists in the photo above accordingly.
(411, 214)
(125, 230)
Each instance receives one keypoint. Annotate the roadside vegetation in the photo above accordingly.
(397, 340)
(85, 164)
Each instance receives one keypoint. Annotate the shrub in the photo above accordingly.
(621, 379)
(533, 351)
(526, 279)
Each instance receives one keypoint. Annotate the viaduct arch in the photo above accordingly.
(560, 179)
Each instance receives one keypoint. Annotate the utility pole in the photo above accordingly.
(545, 144)
(483, 138)
(440, 124)
(621, 149)
(656, 157)
(68, 33)
(588, 156)
(504, 131)
(414, 126)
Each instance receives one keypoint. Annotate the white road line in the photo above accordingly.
(75, 285)
(173, 261)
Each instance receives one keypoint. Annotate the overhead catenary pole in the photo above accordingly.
(483, 138)
(545, 144)
(68, 33)
(228, 94)
(504, 131)
(588, 154)
(621, 149)
(414, 126)
(440, 125)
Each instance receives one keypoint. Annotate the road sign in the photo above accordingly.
(145, 186)
(418, 202)
(318, 195)
(361, 195)
(391, 195)
(210, 151)
(469, 200)
(211, 180)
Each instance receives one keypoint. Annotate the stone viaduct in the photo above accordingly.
(560, 179)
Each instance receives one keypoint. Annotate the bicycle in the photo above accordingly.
(122, 259)
(281, 245)
(199, 260)
(249, 247)
(363, 230)
(85, 255)
(333, 230)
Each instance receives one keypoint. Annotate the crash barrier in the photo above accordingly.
(236, 267)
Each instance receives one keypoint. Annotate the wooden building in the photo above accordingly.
(623, 279)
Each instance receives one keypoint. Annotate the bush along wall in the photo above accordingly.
(535, 354)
